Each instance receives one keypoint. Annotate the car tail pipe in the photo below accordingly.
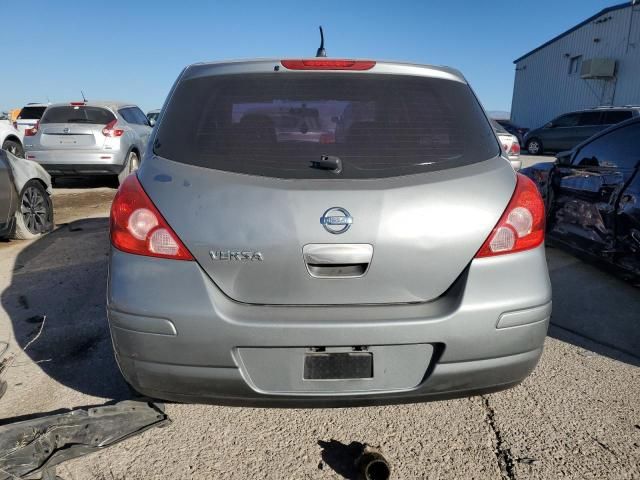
(372, 465)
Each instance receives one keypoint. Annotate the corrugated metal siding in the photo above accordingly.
(544, 88)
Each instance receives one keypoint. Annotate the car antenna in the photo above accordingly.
(321, 51)
(83, 97)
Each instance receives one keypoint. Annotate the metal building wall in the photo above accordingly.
(543, 87)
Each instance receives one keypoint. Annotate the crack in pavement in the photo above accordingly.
(604, 446)
(503, 453)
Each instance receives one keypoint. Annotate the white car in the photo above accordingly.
(29, 116)
(153, 115)
(509, 143)
(11, 140)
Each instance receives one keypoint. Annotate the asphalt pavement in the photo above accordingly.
(577, 416)
(528, 160)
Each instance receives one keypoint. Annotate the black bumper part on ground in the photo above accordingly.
(32, 448)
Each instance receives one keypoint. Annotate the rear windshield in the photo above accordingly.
(31, 113)
(77, 114)
(277, 124)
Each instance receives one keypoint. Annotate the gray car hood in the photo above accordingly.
(24, 170)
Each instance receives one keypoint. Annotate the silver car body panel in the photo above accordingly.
(24, 170)
(14, 174)
(268, 64)
(417, 228)
(233, 327)
(177, 336)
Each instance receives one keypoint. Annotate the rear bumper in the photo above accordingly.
(78, 163)
(178, 337)
(228, 386)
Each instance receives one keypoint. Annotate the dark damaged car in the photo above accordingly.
(592, 197)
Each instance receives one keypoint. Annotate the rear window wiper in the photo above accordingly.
(327, 162)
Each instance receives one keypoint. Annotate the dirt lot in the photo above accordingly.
(577, 416)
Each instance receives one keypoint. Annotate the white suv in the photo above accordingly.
(10, 140)
(89, 138)
(29, 116)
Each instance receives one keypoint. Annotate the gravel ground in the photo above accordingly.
(577, 416)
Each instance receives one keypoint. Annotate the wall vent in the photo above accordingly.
(598, 68)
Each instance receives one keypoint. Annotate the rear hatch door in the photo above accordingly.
(74, 127)
(252, 235)
(420, 188)
(69, 136)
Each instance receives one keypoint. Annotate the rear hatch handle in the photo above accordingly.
(337, 260)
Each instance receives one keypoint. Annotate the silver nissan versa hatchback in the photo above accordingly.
(383, 252)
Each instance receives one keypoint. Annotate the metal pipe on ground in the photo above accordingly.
(372, 465)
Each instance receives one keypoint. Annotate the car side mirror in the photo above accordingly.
(549, 125)
(152, 122)
(564, 158)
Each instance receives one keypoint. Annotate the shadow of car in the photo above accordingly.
(60, 279)
(593, 310)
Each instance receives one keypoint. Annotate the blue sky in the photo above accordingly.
(133, 50)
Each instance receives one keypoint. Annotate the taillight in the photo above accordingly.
(30, 132)
(521, 226)
(137, 227)
(327, 138)
(328, 64)
(514, 149)
(109, 131)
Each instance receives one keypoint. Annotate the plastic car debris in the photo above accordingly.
(31, 449)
